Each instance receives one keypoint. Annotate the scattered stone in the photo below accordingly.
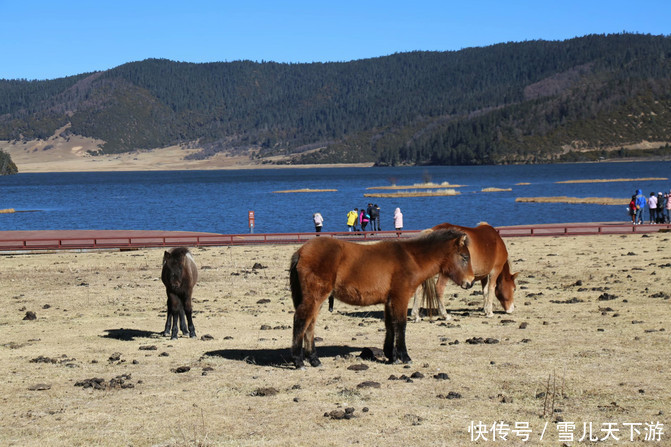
(573, 300)
(30, 315)
(491, 341)
(369, 384)
(441, 376)
(266, 327)
(450, 395)
(258, 266)
(263, 301)
(148, 348)
(417, 375)
(164, 354)
(207, 337)
(358, 367)
(606, 297)
(371, 354)
(524, 325)
(181, 369)
(43, 359)
(507, 321)
(39, 387)
(115, 357)
(265, 392)
(46, 306)
(97, 383)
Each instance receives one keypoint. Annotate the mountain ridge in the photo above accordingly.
(585, 98)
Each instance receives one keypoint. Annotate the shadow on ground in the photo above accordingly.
(280, 358)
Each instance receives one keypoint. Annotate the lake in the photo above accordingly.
(219, 201)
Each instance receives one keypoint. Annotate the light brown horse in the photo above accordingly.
(386, 273)
(490, 260)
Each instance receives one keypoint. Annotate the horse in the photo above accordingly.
(490, 260)
(179, 275)
(386, 272)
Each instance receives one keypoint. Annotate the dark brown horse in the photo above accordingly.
(386, 273)
(490, 266)
(179, 275)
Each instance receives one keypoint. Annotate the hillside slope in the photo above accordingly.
(537, 101)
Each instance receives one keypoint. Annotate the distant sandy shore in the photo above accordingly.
(59, 155)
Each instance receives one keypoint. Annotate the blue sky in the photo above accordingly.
(51, 39)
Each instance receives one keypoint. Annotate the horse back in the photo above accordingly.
(487, 249)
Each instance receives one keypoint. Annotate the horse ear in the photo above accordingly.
(463, 241)
(514, 275)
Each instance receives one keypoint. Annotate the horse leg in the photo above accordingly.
(309, 343)
(182, 321)
(440, 289)
(172, 303)
(389, 348)
(297, 342)
(488, 292)
(331, 300)
(414, 313)
(303, 318)
(175, 323)
(188, 310)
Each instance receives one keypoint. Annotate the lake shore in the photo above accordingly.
(58, 154)
(91, 368)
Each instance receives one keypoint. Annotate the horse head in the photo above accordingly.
(459, 267)
(505, 288)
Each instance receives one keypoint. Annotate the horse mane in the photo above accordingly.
(440, 235)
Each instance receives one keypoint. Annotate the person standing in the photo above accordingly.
(660, 208)
(363, 219)
(352, 218)
(377, 216)
(632, 209)
(640, 205)
(319, 222)
(371, 212)
(652, 208)
(667, 208)
(398, 220)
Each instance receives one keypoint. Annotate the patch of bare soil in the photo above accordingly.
(587, 344)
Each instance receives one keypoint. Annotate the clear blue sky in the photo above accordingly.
(47, 39)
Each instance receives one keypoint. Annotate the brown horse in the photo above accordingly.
(179, 275)
(386, 273)
(490, 260)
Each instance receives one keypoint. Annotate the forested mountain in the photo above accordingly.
(7, 166)
(534, 101)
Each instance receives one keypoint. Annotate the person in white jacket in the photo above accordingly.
(398, 220)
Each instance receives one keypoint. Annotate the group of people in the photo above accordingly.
(359, 219)
(658, 205)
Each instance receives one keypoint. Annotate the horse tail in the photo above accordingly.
(430, 296)
(294, 282)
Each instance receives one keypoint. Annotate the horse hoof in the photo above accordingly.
(315, 363)
(173, 338)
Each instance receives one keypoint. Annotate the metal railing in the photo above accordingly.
(204, 240)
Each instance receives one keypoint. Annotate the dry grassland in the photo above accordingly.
(607, 180)
(288, 191)
(564, 199)
(588, 343)
(426, 193)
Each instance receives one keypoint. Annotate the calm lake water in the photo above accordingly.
(218, 201)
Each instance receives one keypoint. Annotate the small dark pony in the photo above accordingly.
(490, 266)
(179, 275)
(386, 273)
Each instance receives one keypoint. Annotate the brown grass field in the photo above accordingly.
(425, 193)
(289, 191)
(607, 180)
(587, 343)
(564, 199)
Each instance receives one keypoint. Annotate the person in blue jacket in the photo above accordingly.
(640, 206)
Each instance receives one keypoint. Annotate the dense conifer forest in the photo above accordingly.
(526, 102)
